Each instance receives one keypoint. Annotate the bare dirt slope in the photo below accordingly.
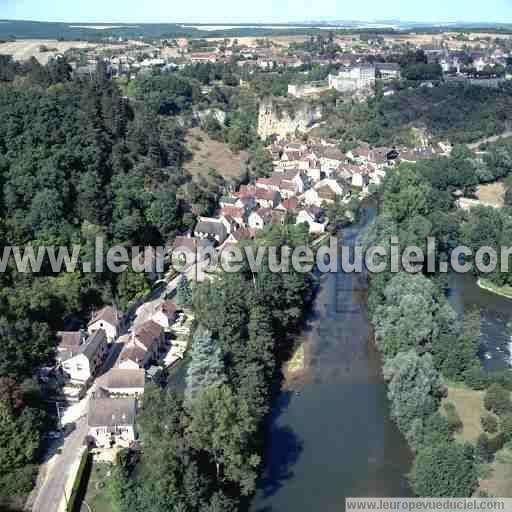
(208, 153)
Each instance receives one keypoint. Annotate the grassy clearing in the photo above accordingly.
(504, 291)
(499, 482)
(492, 194)
(96, 496)
(208, 153)
(470, 407)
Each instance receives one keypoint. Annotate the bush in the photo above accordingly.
(476, 378)
(445, 470)
(497, 400)
(506, 427)
(489, 423)
(454, 421)
(18, 482)
(484, 449)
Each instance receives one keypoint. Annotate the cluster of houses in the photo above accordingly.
(306, 178)
(81, 356)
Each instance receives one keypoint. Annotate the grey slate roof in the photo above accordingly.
(109, 412)
(119, 378)
(212, 228)
(92, 345)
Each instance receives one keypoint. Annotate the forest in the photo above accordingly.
(77, 161)
(455, 112)
(203, 448)
(423, 342)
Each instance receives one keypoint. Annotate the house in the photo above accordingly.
(332, 184)
(111, 421)
(290, 179)
(289, 205)
(190, 243)
(132, 357)
(360, 178)
(226, 201)
(311, 197)
(237, 213)
(314, 217)
(329, 157)
(265, 217)
(238, 236)
(211, 228)
(267, 198)
(121, 382)
(69, 343)
(109, 319)
(165, 314)
(143, 347)
(203, 57)
(83, 363)
(388, 70)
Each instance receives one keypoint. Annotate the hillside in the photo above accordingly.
(208, 153)
(458, 113)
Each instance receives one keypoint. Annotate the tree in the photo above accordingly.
(484, 449)
(221, 425)
(19, 442)
(506, 426)
(497, 400)
(206, 367)
(454, 421)
(183, 292)
(133, 286)
(413, 387)
(489, 423)
(444, 470)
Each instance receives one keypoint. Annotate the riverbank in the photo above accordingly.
(335, 435)
(504, 291)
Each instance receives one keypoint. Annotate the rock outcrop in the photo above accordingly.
(281, 118)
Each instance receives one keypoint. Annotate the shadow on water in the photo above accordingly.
(284, 447)
(334, 438)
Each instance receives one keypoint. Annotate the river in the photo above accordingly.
(495, 312)
(331, 436)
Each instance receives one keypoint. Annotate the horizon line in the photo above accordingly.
(387, 23)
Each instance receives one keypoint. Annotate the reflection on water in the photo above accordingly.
(335, 439)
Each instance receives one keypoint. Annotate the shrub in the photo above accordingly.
(497, 400)
(454, 421)
(476, 378)
(506, 427)
(489, 423)
(484, 449)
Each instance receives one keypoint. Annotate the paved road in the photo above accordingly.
(52, 490)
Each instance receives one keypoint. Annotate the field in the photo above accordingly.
(24, 49)
(251, 42)
(470, 407)
(492, 194)
(208, 153)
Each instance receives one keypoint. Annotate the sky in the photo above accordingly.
(255, 11)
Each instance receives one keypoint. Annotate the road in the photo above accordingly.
(494, 138)
(58, 468)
